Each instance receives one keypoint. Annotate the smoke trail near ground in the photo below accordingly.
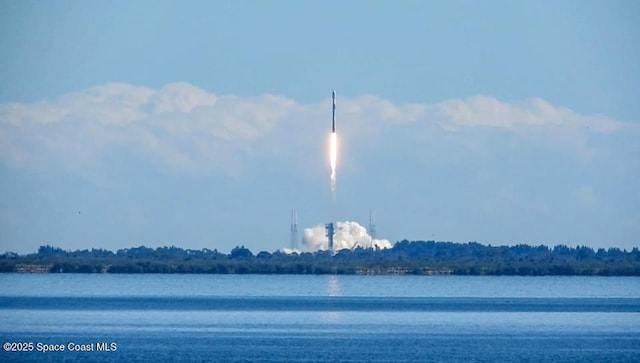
(348, 235)
(333, 156)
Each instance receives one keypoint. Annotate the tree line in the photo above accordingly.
(406, 257)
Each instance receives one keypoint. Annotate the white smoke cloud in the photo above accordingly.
(348, 235)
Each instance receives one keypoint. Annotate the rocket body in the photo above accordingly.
(333, 118)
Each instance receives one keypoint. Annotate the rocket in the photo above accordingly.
(333, 118)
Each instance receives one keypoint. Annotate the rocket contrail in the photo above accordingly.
(333, 146)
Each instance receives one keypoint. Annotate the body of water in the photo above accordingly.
(272, 318)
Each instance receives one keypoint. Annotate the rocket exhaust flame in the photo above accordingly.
(333, 145)
(333, 156)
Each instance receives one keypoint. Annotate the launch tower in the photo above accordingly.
(330, 232)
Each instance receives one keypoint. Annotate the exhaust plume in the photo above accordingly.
(333, 156)
(348, 235)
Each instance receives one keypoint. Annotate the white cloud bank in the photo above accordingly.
(184, 127)
(489, 112)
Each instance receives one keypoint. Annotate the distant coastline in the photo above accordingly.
(405, 258)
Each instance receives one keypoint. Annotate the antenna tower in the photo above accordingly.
(372, 226)
(294, 229)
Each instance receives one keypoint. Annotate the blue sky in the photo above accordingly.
(201, 124)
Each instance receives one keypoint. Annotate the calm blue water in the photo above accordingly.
(268, 318)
